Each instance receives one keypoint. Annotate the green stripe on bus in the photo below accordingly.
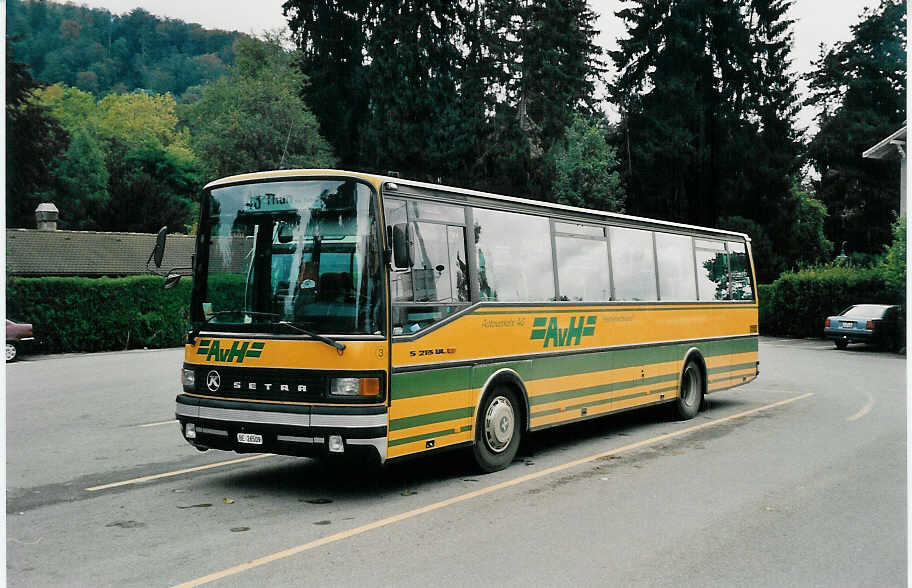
(445, 432)
(600, 389)
(432, 381)
(431, 418)
(604, 401)
(703, 306)
(731, 368)
(444, 379)
(730, 378)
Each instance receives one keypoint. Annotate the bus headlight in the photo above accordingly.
(188, 379)
(355, 387)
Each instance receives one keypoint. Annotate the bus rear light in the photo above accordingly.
(190, 431)
(335, 444)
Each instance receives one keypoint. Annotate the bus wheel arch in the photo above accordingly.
(501, 419)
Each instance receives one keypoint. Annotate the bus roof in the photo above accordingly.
(381, 179)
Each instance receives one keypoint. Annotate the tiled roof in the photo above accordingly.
(30, 252)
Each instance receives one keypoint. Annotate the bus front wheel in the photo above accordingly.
(497, 429)
(691, 393)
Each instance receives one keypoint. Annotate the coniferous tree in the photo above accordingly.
(332, 40)
(468, 92)
(708, 114)
(546, 65)
(414, 63)
(860, 86)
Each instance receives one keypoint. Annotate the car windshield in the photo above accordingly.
(305, 252)
(866, 311)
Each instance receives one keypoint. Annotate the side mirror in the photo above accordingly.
(159, 251)
(171, 281)
(401, 255)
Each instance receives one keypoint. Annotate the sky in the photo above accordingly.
(817, 21)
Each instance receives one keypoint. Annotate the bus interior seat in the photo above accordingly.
(334, 286)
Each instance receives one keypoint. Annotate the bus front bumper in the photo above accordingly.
(302, 430)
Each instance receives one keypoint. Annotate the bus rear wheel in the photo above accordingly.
(497, 429)
(691, 394)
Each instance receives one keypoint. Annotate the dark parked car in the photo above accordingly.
(18, 338)
(864, 323)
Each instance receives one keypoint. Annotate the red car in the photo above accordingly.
(18, 337)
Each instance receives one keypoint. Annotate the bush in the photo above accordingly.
(101, 314)
(797, 303)
(764, 293)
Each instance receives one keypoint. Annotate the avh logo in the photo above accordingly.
(547, 328)
(212, 349)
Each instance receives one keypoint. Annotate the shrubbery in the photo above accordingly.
(797, 303)
(101, 314)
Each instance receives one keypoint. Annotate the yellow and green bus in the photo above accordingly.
(340, 313)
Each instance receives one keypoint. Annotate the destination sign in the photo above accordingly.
(267, 203)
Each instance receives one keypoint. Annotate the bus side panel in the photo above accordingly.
(730, 363)
(575, 363)
(430, 408)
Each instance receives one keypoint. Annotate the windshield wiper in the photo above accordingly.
(340, 347)
(250, 312)
(197, 327)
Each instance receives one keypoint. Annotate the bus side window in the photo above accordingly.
(712, 269)
(676, 267)
(740, 277)
(400, 281)
(438, 272)
(633, 264)
(514, 256)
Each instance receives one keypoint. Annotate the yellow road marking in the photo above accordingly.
(171, 422)
(468, 496)
(864, 410)
(177, 472)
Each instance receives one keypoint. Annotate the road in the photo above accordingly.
(798, 478)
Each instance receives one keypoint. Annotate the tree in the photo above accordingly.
(584, 166)
(860, 86)
(153, 187)
(100, 52)
(331, 36)
(543, 64)
(414, 60)
(34, 141)
(82, 183)
(253, 119)
(708, 109)
(122, 145)
(894, 263)
(462, 91)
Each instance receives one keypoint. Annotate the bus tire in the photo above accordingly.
(690, 396)
(497, 429)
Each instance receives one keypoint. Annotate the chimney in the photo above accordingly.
(46, 216)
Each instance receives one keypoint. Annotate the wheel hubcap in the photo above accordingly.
(499, 420)
(10, 351)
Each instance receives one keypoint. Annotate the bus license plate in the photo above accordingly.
(250, 438)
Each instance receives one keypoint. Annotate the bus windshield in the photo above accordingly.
(295, 253)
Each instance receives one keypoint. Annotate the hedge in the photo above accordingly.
(100, 314)
(797, 303)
